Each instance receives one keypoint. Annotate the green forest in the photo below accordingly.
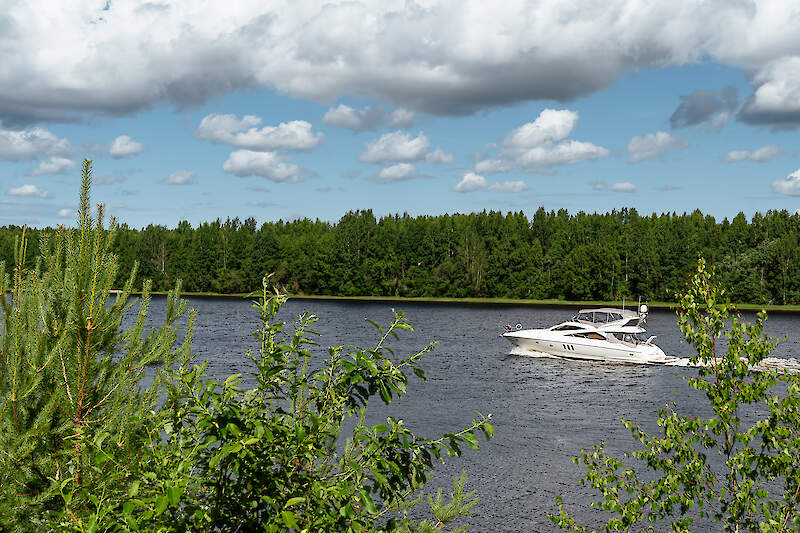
(557, 255)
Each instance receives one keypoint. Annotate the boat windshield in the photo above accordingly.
(635, 338)
(597, 317)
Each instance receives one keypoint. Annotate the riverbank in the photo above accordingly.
(629, 304)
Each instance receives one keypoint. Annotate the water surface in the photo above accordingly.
(544, 410)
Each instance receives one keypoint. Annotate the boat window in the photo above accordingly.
(595, 336)
(586, 317)
(601, 317)
(632, 322)
(564, 327)
(614, 317)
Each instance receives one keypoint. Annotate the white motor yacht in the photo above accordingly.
(604, 334)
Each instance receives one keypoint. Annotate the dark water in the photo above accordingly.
(544, 410)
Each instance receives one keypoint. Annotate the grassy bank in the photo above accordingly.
(629, 304)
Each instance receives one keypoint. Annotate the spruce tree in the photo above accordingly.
(73, 411)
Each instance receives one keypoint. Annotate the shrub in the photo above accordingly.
(752, 479)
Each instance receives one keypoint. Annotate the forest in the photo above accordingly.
(559, 255)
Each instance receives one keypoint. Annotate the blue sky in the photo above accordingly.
(280, 110)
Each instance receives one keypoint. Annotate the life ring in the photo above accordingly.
(508, 327)
(518, 326)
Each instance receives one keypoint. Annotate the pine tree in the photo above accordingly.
(72, 408)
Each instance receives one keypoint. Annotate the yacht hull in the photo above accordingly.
(548, 342)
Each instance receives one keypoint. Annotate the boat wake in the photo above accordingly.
(770, 363)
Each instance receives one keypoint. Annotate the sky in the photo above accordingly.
(196, 110)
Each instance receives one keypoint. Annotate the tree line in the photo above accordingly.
(553, 254)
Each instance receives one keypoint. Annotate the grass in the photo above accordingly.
(629, 304)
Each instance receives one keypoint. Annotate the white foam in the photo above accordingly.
(791, 365)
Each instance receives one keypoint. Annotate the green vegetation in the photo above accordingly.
(740, 466)
(552, 255)
(86, 446)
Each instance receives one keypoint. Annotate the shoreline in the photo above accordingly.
(506, 302)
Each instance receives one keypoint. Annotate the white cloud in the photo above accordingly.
(55, 165)
(268, 165)
(400, 147)
(439, 157)
(623, 186)
(471, 182)
(564, 153)
(445, 57)
(244, 133)
(762, 155)
(402, 118)
(343, 116)
(489, 166)
(398, 172)
(508, 186)
(67, 213)
(30, 143)
(541, 144)
(368, 118)
(28, 190)
(776, 100)
(789, 186)
(598, 185)
(180, 177)
(124, 146)
(551, 125)
(650, 145)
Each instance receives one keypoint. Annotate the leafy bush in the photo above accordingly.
(752, 479)
(271, 458)
(84, 447)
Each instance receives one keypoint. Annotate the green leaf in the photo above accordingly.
(161, 505)
(289, 519)
(295, 501)
(471, 440)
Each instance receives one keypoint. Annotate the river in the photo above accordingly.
(544, 410)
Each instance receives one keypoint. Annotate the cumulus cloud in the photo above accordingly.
(401, 118)
(438, 156)
(55, 165)
(268, 165)
(789, 186)
(368, 118)
(180, 177)
(707, 108)
(472, 182)
(397, 147)
(30, 143)
(30, 191)
(539, 145)
(67, 213)
(493, 165)
(776, 99)
(245, 133)
(123, 146)
(623, 186)
(447, 57)
(650, 145)
(762, 155)
(399, 172)
(508, 186)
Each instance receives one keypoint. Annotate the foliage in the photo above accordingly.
(272, 458)
(85, 447)
(740, 466)
(552, 254)
(72, 414)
